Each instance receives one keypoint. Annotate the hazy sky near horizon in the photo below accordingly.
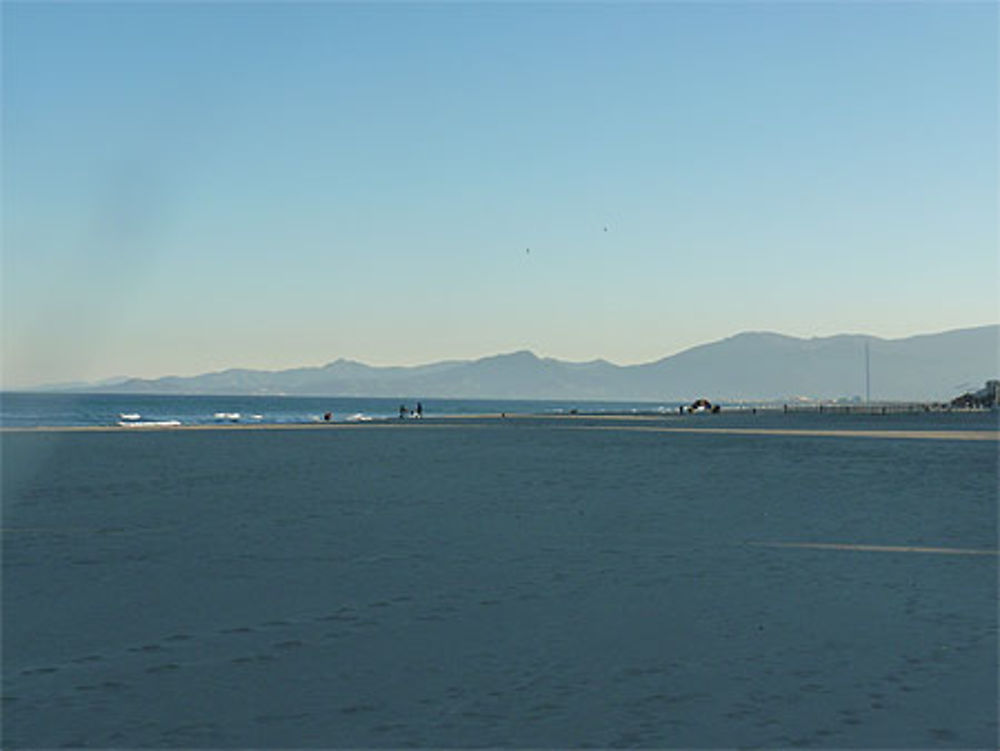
(189, 187)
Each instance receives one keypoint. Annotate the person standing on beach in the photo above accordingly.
(420, 409)
(402, 411)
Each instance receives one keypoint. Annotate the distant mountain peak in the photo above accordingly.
(525, 355)
(758, 335)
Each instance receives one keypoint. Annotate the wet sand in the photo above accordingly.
(589, 422)
(489, 582)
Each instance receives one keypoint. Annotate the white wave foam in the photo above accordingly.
(150, 424)
(130, 416)
(358, 417)
(232, 416)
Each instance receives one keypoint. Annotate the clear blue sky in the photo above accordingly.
(189, 187)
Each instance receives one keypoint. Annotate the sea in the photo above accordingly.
(21, 410)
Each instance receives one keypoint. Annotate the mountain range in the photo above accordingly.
(748, 366)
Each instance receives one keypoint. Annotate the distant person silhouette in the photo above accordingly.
(402, 411)
(420, 409)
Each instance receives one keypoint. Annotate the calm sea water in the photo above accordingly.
(35, 410)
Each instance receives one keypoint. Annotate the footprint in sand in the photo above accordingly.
(170, 666)
(39, 671)
(237, 630)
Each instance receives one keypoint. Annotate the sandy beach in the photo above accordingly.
(500, 582)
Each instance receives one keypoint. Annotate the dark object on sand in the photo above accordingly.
(699, 406)
(987, 397)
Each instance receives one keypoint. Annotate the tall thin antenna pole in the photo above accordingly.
(868, 376)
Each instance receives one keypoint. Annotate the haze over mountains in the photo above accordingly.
(747, 366)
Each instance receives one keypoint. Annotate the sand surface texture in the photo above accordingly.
(508, 583)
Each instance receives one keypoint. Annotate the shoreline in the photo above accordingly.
(625, 423)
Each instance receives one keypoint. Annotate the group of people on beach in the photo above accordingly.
(417, 413)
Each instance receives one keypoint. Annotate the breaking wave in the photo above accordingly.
(150, 424)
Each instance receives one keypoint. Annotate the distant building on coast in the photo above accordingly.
(987, 397)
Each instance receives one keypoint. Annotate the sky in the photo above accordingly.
(189, 187)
